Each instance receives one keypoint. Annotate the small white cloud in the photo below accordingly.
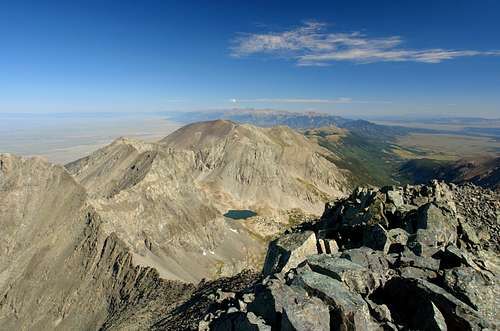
(312, 45)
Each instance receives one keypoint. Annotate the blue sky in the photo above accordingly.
(359, 58)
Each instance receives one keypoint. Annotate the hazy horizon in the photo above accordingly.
(62, 139)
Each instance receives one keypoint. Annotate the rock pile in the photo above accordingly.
(398, 258)
(482, 208)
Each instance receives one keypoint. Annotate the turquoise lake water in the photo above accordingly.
(239, 214)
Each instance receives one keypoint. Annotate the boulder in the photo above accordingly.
(376, 237)
(289, 251)
(409, 259)
(327, 246)
(270, 299)
(396, 197)
(476, 289)
(428, 317)
(307, 314)
(411, 299)
(436, 228)
(380, 311)
(406, 260)
(350, 310)
(455, 257)
(357, 278)
(398, 239)
(375, 261)
(238, 321)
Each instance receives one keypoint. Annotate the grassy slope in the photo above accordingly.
(370, 160)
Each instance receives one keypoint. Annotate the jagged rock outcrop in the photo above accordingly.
(58, 269)
(408, 259)
(166, 200)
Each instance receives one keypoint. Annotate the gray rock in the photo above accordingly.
(232, 310)
(436, 228)
(454, 257)
(289, 251)
(308, 314)
(411, 296)
(409, 259)
(250, 322)
(476, 289)
(374, 261)
(248, 297)
(357, 278)
(398, 236)
(222, 296)
(395, 197)
(350, 310)
(468, 232)
(270, 300)
(380, 312)
(428, 317)
(412, 272)
(327, 246)
(376, 237)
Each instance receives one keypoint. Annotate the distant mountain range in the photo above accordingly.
(474, 126)
(366, 149)
(295, 120)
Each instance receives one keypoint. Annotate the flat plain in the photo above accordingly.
(61, 138)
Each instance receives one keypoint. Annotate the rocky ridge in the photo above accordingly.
(398, 258)
(90, 246)
(166, 200)
(58, 269)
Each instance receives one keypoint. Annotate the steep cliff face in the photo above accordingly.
(166, 201)
(58, 269)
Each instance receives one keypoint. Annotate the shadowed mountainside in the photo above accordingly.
(484, 172)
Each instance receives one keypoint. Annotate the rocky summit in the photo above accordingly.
(396, 258)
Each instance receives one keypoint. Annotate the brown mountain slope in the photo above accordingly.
(166, 201)
(58, 269)
(275, 168)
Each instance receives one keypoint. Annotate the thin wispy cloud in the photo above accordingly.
(313, 45)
